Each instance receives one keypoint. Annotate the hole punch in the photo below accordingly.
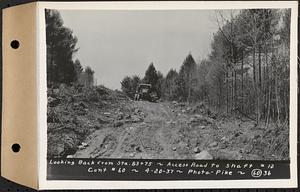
(16, 147)
(15, 44)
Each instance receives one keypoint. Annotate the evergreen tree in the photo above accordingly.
(90, 76)
(170, 85)
(126, 86)
(151, 76)
(136, 80)
(61, 45)
(186, 78)
(129, 85)
(159, 84)
(78, 68)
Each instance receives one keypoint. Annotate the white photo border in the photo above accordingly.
(177, 184)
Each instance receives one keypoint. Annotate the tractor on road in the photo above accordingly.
(146, 93)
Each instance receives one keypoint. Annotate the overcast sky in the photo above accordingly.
(123, 43)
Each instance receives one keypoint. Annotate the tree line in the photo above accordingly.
(247, 71)
(249, 64)
(175, 85)
(61, 47)
(152, 76)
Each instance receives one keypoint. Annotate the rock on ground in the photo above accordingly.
(226, 154)
(203, 155)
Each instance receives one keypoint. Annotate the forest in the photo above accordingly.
(247, 71)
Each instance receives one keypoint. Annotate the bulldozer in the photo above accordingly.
(145, 92)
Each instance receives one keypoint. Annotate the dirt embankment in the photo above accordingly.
(100, 123)
(75, 112)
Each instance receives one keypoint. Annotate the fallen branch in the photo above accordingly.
(237, 109)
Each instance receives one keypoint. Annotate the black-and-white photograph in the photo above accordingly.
(168, 84)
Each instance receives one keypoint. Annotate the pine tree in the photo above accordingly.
(186, 78)
(136, 80)
(78, 69)
(170, 85)
(129, 85)
(159, 84)
(126, 86)
(61, 45)
(151, 76)
(90, 76)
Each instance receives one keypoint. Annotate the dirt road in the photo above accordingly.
(149, 138)
(168, 131)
